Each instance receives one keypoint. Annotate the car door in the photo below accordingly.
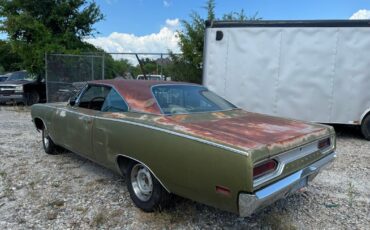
(79, 119)
(104, 134)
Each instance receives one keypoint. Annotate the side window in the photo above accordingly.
(94, 97)
(114, 103)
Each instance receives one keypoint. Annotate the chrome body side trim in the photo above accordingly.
(234, 150)
(249, 203)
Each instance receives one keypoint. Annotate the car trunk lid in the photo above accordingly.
(248, 131)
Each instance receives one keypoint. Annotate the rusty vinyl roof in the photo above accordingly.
(138, 93)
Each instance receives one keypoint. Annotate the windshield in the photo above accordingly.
(3, 78)
(180, 99)
(22, 75)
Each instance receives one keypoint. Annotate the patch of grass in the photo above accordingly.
(52, 215)
(81, 209)
(32, 185)
(278, 221)
(55, 184)
(3, 174)
(8, 192)
(56, 203)
(99, 219)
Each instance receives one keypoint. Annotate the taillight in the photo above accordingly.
(323, 144)
(264, 168)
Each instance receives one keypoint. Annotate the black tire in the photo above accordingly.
(159, 197)
(365, 127)
(33, 97)
(48, 144)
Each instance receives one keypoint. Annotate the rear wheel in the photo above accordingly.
(33, 97)
(365, 127)
(145, 190)
(48, 144)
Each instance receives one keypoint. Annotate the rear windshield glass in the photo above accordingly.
(183, 99)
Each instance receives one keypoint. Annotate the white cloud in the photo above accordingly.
(166, 3)
(110, 2)
(162, 42)
(361, 14)
(173, 22)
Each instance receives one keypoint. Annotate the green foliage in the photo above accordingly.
(240, 16)
(37, 27)
(116, 68)
(8, 59)
(188, 66)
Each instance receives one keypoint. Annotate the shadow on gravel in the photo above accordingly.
(348, 131)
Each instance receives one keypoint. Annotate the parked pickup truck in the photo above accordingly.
(22, 87)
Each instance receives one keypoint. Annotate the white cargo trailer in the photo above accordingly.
(308, 70)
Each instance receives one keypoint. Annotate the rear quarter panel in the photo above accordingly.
(186, 167)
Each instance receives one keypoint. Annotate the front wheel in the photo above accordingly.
(145, 190)
(365, 127)
(47, 143)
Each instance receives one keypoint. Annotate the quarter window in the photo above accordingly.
(114, 103)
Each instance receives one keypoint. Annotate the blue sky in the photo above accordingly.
(151, 25)
(148, 16)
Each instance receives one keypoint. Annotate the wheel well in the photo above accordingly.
(123, 163)
(364, 115)
(39, 124)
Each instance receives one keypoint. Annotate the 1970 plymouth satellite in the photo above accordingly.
(180, 138)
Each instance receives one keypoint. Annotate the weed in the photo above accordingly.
(52, 215)
(99, 219)
(351, 194)
(278, 221)
(56, 203)
(3, 174)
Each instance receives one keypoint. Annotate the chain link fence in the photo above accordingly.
(67, 74)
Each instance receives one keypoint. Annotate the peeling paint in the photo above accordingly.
(236, 128)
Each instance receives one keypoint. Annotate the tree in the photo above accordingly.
(36, 27)
(9, 61)
(191, 40)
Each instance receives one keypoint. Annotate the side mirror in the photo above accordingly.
(72, 101)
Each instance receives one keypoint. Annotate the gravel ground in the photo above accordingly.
(66, 191)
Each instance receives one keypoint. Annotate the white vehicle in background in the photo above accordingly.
(307, 70)
(155, 77)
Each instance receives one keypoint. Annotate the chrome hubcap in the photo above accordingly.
(141, 182)
(46, 142)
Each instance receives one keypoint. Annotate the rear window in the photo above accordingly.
(185, 99)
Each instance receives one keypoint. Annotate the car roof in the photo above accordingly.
(138, 93)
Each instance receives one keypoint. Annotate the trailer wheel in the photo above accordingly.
(365, 127)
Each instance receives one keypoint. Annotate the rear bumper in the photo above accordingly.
(249, 203)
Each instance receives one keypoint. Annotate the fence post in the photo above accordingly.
(92, 67)
(46, 78)
(161, 65)
(103, 66)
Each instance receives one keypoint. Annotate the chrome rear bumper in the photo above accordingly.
(249, 203)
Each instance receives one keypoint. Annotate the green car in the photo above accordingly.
(180, 138)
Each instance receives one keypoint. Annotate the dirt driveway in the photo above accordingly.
(66, 191)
